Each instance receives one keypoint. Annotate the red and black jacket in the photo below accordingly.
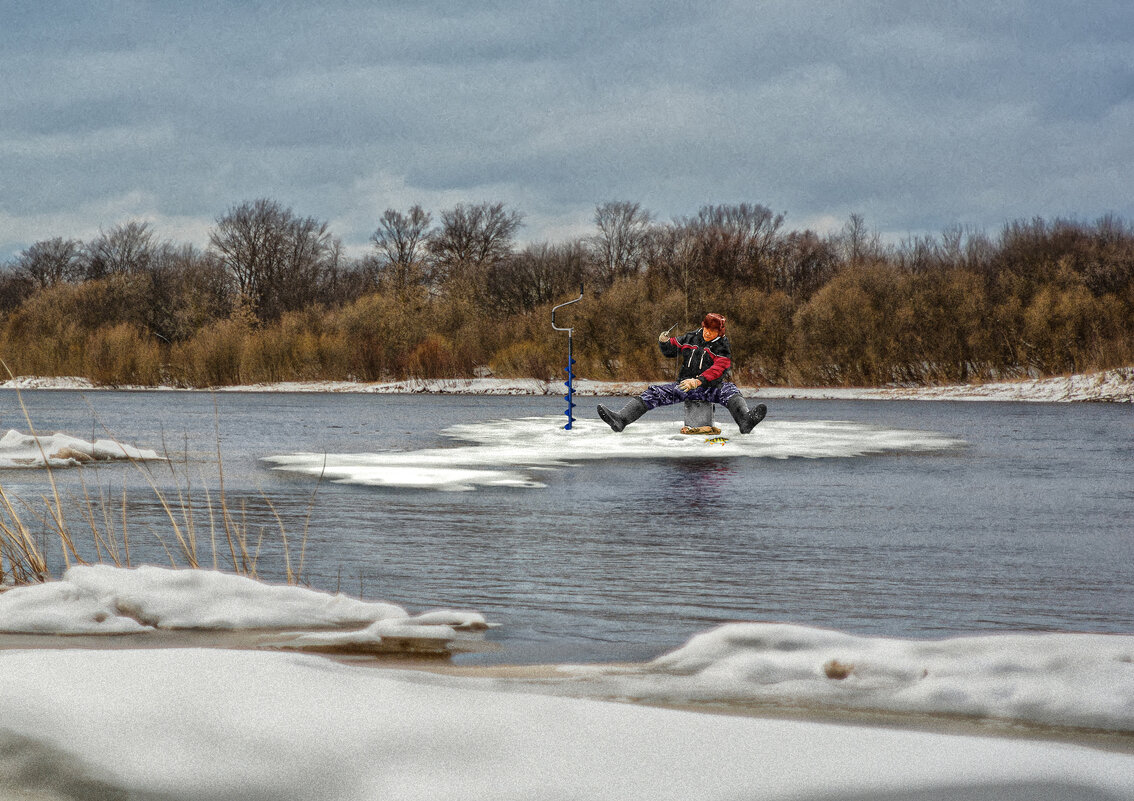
(708, 361)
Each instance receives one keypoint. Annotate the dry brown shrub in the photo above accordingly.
(122, 354)
(528, 360)
(437, 357)
(212, 357)
(378, 332)
(759, 328)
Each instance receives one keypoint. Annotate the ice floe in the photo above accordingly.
(1051, 679)
(510, 453)
(62, 450)
(196, 723)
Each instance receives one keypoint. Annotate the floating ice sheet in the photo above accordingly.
(510, 453)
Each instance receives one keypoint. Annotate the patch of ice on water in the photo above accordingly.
(504, 453)
(440, 469)
(443, 626)
(62, 450)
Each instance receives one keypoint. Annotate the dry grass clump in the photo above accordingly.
(203, 527)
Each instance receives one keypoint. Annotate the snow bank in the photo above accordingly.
(439, 386)
(1080, 680)
(1110, 385)
(188, 724)
(508, 452)
(101, 599)
(61, 450)
(47, 382)
(1115, 385)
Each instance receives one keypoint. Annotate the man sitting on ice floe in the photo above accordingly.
(706, 357)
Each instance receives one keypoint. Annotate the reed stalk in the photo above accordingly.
(23, 560)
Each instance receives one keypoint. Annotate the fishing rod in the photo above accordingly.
(666, 334)
(569, 383)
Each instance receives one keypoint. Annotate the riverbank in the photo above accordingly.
(1108, 386)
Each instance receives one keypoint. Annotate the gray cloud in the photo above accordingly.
(964, 112)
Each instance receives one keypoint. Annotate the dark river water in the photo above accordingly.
(1027, 525)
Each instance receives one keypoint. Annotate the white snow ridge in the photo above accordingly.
(101, 599)
(506, 453)
(62, 450)
(1047, 679)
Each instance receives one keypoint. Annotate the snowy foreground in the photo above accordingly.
(512, 453)
(1115, 385)
(188, 723)
(1077, 680)
(192, 723)
(62, 450)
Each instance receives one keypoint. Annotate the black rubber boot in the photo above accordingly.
(745, 418)
(619, 420)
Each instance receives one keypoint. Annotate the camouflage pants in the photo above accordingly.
(668, 394)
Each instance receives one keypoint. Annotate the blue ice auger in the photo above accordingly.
(569, 383)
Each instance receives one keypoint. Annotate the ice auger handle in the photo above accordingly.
(569, 383)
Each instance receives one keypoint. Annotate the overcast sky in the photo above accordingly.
(957, 112)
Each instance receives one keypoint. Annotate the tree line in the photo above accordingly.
(273, 297)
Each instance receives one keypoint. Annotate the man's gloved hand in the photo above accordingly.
(689, 384)
(663, 336)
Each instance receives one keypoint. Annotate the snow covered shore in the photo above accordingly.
(1051, 679)
(191, 723)
(1115, 386)
(187, 723)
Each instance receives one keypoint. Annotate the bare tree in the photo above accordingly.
(276, 258)
(620, 244)
(187, 289)
(401, 240)
(537, 275)
(920, 254)
(952, 245)
(125, 248)
(857, 243)
(15, 288)
(51, 261)
(735, 244)
(806, 262)
(471, 238)
(674, 257)
(751, 225)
